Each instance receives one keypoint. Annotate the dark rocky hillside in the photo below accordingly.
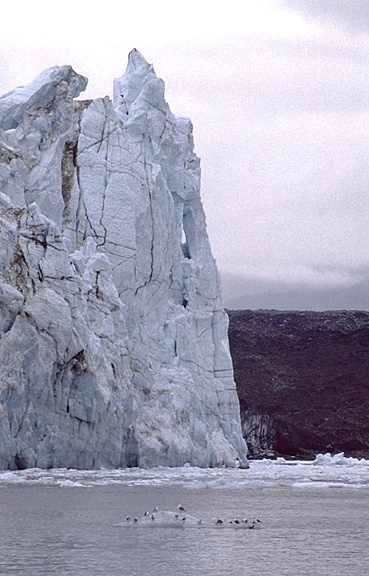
(302, 380)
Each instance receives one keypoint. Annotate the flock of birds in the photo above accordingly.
(179, 519)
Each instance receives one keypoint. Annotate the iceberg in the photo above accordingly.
(113, 338)
(170, 519)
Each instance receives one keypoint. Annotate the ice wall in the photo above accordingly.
(113, 339)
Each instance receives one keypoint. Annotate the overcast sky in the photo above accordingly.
(278, 92)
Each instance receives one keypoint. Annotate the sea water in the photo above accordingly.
(314, 520)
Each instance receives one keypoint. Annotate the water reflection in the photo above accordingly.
(50, 531)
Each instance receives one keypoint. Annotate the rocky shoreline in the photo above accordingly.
(302, 380)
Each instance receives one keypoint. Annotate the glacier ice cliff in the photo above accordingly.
(113, 340)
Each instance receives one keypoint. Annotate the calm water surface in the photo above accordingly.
(47, 530)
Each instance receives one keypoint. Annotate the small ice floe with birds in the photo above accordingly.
(181, 519)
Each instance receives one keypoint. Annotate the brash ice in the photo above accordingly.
(113, 339)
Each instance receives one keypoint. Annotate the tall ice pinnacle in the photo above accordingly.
(113, 340)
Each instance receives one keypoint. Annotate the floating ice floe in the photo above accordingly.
(170, 519)
(326, 471)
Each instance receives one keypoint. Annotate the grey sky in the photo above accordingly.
(350, 14)
(278, 92)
